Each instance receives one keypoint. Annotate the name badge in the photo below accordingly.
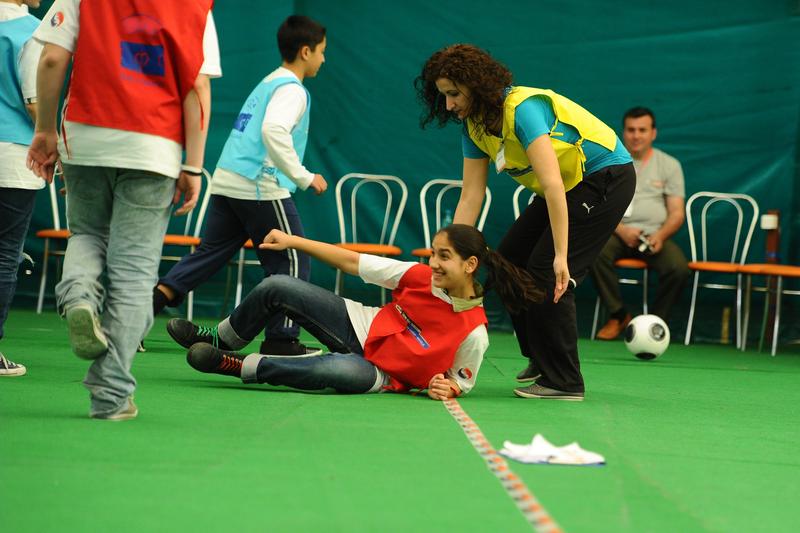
(500, 159)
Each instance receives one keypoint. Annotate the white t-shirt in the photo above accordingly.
(386, 273)
(13, 172)
(109, 147)
(283, 113)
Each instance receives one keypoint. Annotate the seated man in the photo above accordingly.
(655, 214)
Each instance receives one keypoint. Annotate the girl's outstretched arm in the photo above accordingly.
(344, 260)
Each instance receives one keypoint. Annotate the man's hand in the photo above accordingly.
(318, 184)
(441, 388)
(629, 235)
(275, 240)
(656, 242)
(189, 187)
(43, 154)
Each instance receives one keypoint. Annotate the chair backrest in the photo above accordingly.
(201, 213)
(444, 210)
(515, 200)
(733, 235)
(382, 199)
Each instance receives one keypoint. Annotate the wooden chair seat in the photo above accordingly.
(53, 233)
(630, 262)
(181, 240)
(714, 266)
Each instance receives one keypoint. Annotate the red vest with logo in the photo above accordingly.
(134, 64)
(416, 335)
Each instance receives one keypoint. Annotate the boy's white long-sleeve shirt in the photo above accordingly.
(283, 113)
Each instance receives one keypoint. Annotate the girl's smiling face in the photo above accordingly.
(451, 272)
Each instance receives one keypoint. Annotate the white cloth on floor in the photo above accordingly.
(541, 451)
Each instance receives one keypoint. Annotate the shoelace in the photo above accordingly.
(204, 331)
(230, 363)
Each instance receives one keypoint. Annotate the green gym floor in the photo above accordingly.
(704, 438)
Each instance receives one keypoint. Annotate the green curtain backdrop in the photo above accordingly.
(723, 78)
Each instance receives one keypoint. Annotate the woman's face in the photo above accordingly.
(456, 97)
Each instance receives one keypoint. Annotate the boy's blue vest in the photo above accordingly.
(244, 151)
(15, 123)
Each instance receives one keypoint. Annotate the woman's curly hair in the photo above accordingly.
(471, 67)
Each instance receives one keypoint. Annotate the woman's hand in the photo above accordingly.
(441, 388)
(561, 271)
(275, 240)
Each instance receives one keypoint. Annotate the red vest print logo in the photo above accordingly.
(143, 57)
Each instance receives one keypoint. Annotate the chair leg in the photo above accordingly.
(644, 291)
(596, 316)
(239, 281)
(748, 287)
(43, 279)
(337, 289)
(190, 306)
(778, 292)
(691, 310)
(738, 310)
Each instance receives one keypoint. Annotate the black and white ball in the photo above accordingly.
(647, 336)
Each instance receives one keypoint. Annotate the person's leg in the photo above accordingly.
(80, 294)
(604, 274)
(516, 247)
(606, 281)
(16, 208)
(319, 311)
(673, 273)
(552, 327)
(281, 214)
(141, 210)
(222, 237)
(347, 373)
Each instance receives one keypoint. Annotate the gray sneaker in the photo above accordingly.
(545, 393)
(530, 373)
(85, 335)
(126, 412)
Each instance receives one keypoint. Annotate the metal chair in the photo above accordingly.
(444, 186)
(770, 270)
(737, 231)
(629, 263)
(369, 224)
(515, 201)
(56, 234)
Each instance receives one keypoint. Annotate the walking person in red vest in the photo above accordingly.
(432, 335)
(138, 97)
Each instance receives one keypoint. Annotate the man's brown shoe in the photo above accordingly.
(613, 328)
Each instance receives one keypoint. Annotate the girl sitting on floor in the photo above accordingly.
(432, 335)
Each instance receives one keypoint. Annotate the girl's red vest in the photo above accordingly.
(134, 64)
(415, 336)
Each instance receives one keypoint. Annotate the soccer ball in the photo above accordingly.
(647, 336)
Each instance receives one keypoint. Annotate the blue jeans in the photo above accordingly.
(118, 218)
(16, 207)
(321, 313)
(228, 224)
